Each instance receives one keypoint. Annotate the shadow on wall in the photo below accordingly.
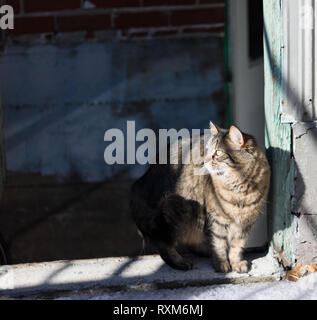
(68, 96)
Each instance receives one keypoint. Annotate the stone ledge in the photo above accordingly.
(64, 278)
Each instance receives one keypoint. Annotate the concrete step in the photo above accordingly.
(63, 278)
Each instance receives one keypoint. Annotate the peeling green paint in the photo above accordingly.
(278, 135)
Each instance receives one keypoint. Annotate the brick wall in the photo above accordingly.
(124, 18)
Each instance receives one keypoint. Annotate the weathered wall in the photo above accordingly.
(59, 100)
(305, 196)
(291, 143)
(71, 70)
(299, 111)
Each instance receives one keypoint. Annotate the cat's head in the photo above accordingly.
(229, 153)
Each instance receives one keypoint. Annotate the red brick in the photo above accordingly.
(162, 33)
(84, 22)
(211, 1)
(50, 5)
(141, 34)
(15, 4)
(204, 30)
(200, 16)
(23, 25)
(115, 3)
(90, 35)
(141, 19)
(168, 2)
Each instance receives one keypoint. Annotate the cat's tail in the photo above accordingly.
(144, 217)
(152, 223)
(140, 213)
(142, 251)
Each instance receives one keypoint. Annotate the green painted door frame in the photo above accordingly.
(278, 135)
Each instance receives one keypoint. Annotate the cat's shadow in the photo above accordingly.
(287, 188)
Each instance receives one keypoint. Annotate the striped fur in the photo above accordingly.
(211, 214)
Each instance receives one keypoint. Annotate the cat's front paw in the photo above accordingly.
(222, 266)
(186, 265)
(241, 266)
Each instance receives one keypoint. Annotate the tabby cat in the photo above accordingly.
(210, 214)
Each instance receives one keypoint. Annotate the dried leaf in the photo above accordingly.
(300, 271)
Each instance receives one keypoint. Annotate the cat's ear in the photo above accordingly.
(236, 136)
(213, 129)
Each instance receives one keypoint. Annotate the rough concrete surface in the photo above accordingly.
(306, 239)
(305, 153)
(62, 278)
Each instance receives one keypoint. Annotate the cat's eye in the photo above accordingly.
(219, 153)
